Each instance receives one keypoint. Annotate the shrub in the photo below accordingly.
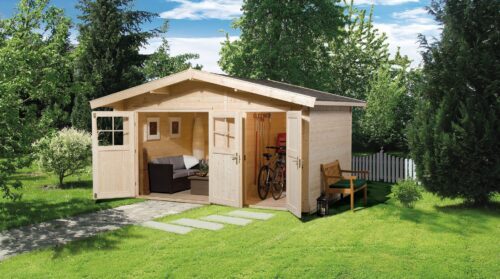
(64, 153)
(407, 192)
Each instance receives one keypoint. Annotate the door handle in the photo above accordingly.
(237, 158)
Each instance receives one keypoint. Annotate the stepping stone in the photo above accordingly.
(227, 220)
(251, 215)
(166, 227)
(198, 224)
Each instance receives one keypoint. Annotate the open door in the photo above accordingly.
(226, 146)
(113, 154)
(294, 162)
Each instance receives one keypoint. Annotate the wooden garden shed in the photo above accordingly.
(230, 120)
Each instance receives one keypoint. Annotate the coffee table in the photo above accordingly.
(199, 185)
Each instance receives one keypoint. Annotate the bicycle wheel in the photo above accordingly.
(278, 184)
(263, 184)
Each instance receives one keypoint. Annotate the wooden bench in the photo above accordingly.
(335, 183)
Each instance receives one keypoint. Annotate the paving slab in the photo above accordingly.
(60, 231)
(167, 227)
(227, 220)
(198, 224)
(251, 215)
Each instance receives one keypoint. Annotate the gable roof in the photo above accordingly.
(268, 88)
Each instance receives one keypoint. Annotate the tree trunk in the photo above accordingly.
(61, 178)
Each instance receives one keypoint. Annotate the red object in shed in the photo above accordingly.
(281, 141)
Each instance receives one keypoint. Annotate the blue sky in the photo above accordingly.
(195, 25)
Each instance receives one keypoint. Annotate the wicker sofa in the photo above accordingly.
(169, 175)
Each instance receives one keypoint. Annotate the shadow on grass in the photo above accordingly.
(100, 242)
(25, 212)
(378, 193)
(79, 184)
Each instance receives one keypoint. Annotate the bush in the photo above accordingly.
(407, 192)
(64, 153)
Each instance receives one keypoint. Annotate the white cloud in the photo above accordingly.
(418, 15)
(205, 9)
(207, 48)
(384, 2)
(406, 37)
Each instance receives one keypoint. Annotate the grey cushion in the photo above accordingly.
(176, 161)
(184, 173)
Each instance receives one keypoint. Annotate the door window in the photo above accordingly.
(112, 131)
(224, 133)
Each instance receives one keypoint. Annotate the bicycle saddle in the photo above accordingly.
(267, 155)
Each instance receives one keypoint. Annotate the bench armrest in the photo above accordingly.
(350, 177)
(353, 171)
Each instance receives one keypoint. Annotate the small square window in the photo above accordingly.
(111, 132)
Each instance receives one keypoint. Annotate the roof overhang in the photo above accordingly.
(154, 87)
(341, 104)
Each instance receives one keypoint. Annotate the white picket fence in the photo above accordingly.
(385, 167)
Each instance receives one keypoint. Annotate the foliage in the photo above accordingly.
(357, 55)
(455, 138)
(34, 81)
(390, 107)
(390, 241)
(107, 56)
(65, 153)
(407, 192)
(42, 202)
(161, 64)
(283, 41)
(358, 63)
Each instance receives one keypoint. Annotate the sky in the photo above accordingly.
(199, 26)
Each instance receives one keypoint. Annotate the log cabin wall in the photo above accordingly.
(330, 139)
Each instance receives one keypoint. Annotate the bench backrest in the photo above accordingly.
(328, 170)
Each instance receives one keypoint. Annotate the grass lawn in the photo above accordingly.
(43, 201)
(437, 239)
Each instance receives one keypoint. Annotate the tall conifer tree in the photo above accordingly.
(455, 139)
(108, 58)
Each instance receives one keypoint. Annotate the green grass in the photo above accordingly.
(42, 201)
(437, 239)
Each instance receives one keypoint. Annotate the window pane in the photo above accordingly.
(153, 128)
(105, 138)
(118, 123)
(118, 138)
(104, 123)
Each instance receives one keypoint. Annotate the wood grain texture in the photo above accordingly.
(330, 139)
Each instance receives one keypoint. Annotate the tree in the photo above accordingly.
(355, 58)
(385, 103)
(284, 41)
(391, 104)
(357, 55)
(455, 138)
(34, 82)
(161, 64)
(108, 58)
(64, 153)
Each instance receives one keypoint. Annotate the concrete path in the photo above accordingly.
(251, 215)
(60, 231)
(198, 224)
(167, 227)
(227, 220)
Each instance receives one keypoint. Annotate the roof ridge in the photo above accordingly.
(312, 89)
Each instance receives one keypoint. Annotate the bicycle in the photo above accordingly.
(270, 179)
